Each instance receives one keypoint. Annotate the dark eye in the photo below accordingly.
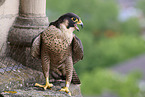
(74, 19)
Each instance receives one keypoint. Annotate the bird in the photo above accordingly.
(59, 49)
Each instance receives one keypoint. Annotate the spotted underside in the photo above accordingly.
(58, 44)
(58, 47)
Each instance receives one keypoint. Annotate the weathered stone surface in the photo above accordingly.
(25, 29)
(22, 36)
(31, 22)
(8, 12)
(38, 92)
(22, 54)
(14, 75)
(21, 79)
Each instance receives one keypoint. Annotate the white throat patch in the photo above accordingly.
(68, 33)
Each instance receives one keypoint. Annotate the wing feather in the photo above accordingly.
(77, 49)
(36, 46)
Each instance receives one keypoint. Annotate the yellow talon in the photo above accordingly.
(47, 85)
(65, 89)
(44, 86)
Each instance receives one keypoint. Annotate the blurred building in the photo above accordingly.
(128, 9)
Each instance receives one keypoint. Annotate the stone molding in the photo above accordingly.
(25, 29)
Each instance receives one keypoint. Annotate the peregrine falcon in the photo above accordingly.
(59, 48)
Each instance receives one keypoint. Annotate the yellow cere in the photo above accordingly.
(79, 22)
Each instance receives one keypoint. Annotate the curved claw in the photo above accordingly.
(65, 89)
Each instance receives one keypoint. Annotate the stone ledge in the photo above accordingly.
(37, 92)
(21, 79)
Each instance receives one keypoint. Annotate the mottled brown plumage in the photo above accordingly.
(59, 49)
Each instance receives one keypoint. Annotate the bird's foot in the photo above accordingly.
(65, 89)
(48, 85)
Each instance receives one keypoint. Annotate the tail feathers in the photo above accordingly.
(75, 78)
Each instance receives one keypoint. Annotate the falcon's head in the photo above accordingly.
(69, 20)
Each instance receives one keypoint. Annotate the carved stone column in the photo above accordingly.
(31, 21)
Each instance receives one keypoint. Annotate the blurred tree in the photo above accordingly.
(104, 81)
(130, 27)
(98, 15)
(141, 6)
(109, 51)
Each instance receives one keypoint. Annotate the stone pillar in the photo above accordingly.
(33, 8)
(31, 21)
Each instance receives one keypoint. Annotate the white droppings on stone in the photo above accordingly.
(8, 42)
(21, 85)
(18, 70)
(27, 84)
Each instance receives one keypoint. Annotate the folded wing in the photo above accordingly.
(36, 46)
(77, 50)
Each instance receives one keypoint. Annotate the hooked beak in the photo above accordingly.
(79, 23)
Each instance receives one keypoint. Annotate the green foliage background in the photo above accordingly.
(110, 82)
(106, 40)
